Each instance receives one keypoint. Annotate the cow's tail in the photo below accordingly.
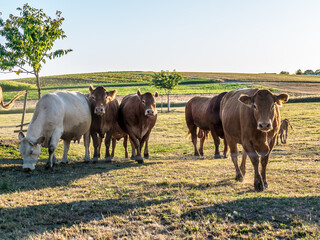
(9, 104)
(188, 134)
(290, 124)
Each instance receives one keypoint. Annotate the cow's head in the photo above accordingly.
(99, 98)
(264, 104)
(30, 150)
(148, 103)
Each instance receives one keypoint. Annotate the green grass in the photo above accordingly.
(125, 90)
(172, 196)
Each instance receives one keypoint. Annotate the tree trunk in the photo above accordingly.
(38, 85)
(168, 102)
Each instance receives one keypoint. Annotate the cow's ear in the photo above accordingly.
(139, 93)
(245, 99)
(40, 140)
(91, 88)
(156, 94)
(282, 98)
(21, 136)
(112, 94)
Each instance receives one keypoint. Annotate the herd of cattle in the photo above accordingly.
(249, 117)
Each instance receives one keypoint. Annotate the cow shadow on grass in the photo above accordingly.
(283, 213)
(18, 223)
(13, 178)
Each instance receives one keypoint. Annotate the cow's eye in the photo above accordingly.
(93, 98)
(255, 106)
(143, 101)
(31, 152)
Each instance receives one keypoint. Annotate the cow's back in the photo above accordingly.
(66, 111)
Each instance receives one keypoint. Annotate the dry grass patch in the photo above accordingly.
(173, 195)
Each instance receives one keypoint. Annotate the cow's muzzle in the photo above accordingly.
(99, 111)
(149, 112)
(264, 126)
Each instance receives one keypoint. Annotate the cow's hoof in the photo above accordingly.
(217, 156)
(64, 162)
(108, 159)
(258, 186)
(239, 178)
(146, 156)
(94, 160)
(225, 156)
(133, 157)
(27, 170)
(196, 154)
(139, 159)
(47, 166)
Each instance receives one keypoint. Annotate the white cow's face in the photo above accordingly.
(30, 150)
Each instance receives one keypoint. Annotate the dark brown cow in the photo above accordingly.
(137, 117)
(104, 110)
(251, 117)
(203, 113)
(283, 132)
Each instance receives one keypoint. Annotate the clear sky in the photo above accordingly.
(252, 36)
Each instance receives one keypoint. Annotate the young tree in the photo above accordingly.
(167, 81)
(284, 72)
(299, 72)
(29, 40)
(308, 72)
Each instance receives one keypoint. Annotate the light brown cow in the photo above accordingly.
(283, 132)
(204, 113)
(251, 117)
(104, 111)
(137, 117)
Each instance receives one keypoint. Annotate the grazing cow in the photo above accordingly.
(203, 113)
(9, 104)
(58, 115)
(251, 117)
(104, 111)
(283, 132)
(137, 117)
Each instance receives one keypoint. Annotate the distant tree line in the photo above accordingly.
(306, 72)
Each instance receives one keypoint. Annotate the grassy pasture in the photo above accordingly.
(172, 196)
(125, 90)
(255, 77)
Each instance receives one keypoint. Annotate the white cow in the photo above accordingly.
(58, 115)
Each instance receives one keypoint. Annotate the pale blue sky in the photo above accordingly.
(252, 36)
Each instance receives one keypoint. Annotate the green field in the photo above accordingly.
(172, 196)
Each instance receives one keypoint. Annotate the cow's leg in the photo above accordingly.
(65, 151)
(254, 157)
(125, 145)
(234, 156)
(133, 150)
(225, 150)
(285, 136)
(193, 131)
(264, 163)
(278, 139)
(96, 147)
(202, 140)
(114, 143)
(52, 147)
(216, 143)
(243, 163)
(136, 144)
(145, 139)
(86, 140)
(107, 141)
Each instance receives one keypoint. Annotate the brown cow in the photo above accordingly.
(251, 117)
(203, 113)
(137, 117)
(104, 110)
(283, 132)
